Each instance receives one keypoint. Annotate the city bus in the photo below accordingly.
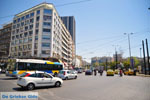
(16, 67)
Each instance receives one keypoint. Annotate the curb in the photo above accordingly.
(143, 75)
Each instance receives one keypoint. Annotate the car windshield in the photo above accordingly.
(23, 75)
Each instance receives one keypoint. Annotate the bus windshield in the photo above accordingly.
(11, 66)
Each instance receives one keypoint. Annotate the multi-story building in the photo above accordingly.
(40, 32)
(119, 57)
(70, 24)
(100, 59)
(5, 35)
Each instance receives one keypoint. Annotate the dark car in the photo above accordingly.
(88, 72)
(79, 70)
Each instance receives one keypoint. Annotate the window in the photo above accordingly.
(32, 14)
(45, 52)
(46, 23)
(30, 33)
(35, 46)
(14, 21)
(14, 26)
(37, 25)
(45, 44)
(26, 28)
(18, 25)
(47, 18)
(38, 18)
(47, 11)
(36, 37)
(17, 36)
(20, 41)
(20, 35)
(22, 23)
(30, 39)
(13, 37)
(36, 31)
(31, 20)
(17, 30)
(38, 12)
(27, 16)
(46, 30)
(31, 26)
(22, 18)
(25, 40)
(26, 22)
(18, 19)
(25, 34)
(44, 37)
(21, 66)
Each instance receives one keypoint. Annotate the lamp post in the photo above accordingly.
(128, 34)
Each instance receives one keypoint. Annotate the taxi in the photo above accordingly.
(116, 71)
(110, 72)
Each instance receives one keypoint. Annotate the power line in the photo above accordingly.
(71, 3)
(110, 42)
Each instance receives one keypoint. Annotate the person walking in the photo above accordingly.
(101, 72)
(120, 72)
(95, 72)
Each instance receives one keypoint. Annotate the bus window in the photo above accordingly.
(22, 66)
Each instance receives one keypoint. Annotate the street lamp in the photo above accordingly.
(128, 34)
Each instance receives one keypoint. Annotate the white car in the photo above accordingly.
(68, 74)
(30, 80)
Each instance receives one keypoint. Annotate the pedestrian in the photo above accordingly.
(101, 72)
(95, 72)
(120, 72)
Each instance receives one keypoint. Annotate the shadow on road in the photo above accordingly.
(37, 88)
(10, 78)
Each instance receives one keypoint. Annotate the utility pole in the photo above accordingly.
(116, 60)
(144, 56)
(131, 65)
(106, 64)
(148, 56)
(116, 57)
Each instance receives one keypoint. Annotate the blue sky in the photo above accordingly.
(100, 24)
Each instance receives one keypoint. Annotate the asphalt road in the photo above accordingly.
(89, 88)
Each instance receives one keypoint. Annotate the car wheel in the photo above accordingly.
(30, 86)
(66, 78)
(57, 84)
(75, 77)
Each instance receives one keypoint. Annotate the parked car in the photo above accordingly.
(30, 80)
(110, 72)
(88, 72)
(129, 72)
(116, 71)
(68, 74)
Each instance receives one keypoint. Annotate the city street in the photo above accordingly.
(89, 88)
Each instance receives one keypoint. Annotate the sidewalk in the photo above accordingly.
(142, 75)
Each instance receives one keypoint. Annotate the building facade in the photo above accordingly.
(100, 59)
(40, 32)
(5, 36)
(70, 24)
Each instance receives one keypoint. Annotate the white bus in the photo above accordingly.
(16, 67)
